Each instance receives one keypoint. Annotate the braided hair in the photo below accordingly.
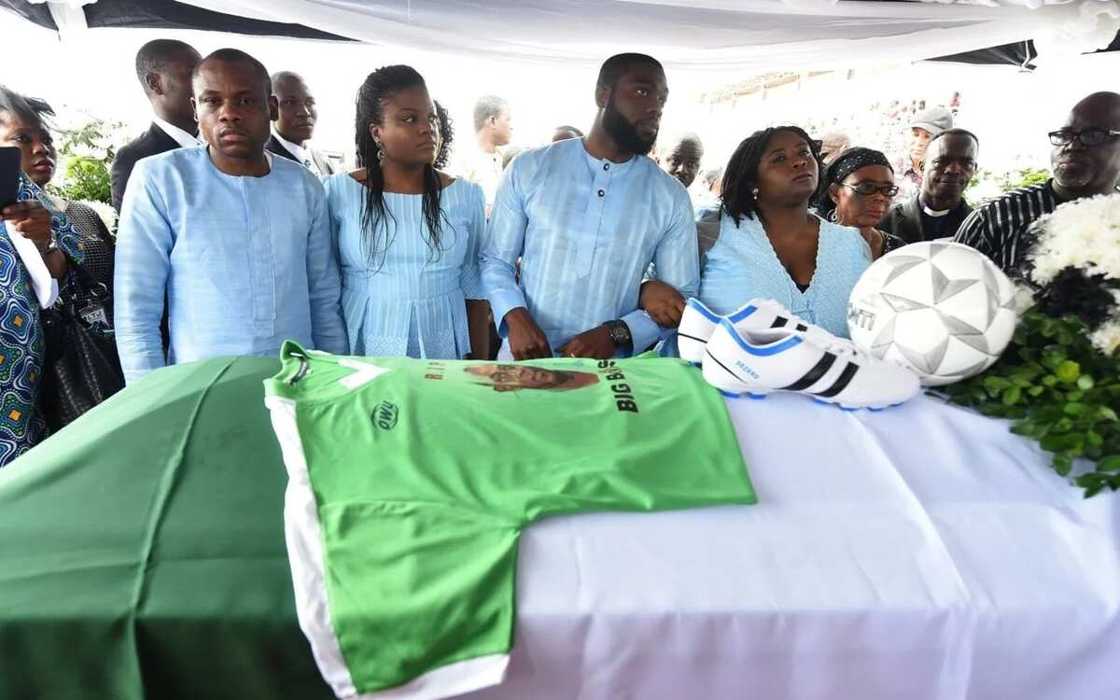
(29, 109)
(381, 85)
(740, 177)
(446, 136)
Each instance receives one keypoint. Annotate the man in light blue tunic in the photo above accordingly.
(238, 242)
(587, 217)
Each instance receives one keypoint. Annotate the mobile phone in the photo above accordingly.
(9, 175)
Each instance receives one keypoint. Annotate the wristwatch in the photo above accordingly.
(620, 334)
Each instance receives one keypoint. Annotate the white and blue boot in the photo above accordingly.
(755, 362)
(698, 322)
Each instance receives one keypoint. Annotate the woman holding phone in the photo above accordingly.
(23, 124)
(30, 278)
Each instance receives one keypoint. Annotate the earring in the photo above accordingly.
(755, 192)
(833, 217)
(380, 156)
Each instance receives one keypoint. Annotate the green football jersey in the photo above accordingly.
(411, 480)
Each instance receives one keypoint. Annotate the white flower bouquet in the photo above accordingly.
(1079, 247)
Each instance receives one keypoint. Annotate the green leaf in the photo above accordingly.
(1092, 483)
(1090, 479)
(1108, 414)
(1053, 442)
(1074, 409)
(1094, 438)
(1052, 360)
(1076, 445)
(1036, 391)
(1063, 463)
(995, 384)
(1012, 395)
(1085, 382)
(1028, 428)
(1068, 371)
(1109, 464)
(1049, 380)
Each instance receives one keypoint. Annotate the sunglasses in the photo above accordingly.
(1086, 137)
(866, 189)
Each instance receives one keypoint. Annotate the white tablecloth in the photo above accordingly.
(921, 552)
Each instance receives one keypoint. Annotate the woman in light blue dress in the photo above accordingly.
(407, 235)
(771, 246)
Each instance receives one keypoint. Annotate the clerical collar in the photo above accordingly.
(934, 213)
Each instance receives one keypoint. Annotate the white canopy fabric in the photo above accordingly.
(728, 35)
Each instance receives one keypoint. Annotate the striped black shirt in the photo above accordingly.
(1000, 228)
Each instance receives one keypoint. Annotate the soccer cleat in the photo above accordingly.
(698, 322)
(755, 362)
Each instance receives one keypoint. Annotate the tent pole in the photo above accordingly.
(69, 19)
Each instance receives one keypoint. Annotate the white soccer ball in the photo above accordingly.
(942, 309)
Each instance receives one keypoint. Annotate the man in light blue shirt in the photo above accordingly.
(238, 241)
(587, 217)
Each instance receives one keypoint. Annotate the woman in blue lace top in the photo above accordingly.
(771, 245)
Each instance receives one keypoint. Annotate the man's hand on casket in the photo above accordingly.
(526, 340)
(595, 343)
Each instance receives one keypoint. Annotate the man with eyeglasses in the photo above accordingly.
(1086, 162)
(939, 208)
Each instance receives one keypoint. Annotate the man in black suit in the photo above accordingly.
(294, 123)
(164, 68)
(939, 208)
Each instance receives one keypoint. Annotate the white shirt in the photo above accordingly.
(701, 196)
(298, 152)
(302, 155)
(183, 138)
(483, 169)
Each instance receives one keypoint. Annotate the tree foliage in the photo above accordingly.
(86, 154)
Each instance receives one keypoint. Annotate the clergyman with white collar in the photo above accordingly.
(939, 208)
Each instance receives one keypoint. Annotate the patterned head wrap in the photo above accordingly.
(852, 160)
(845, 164)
